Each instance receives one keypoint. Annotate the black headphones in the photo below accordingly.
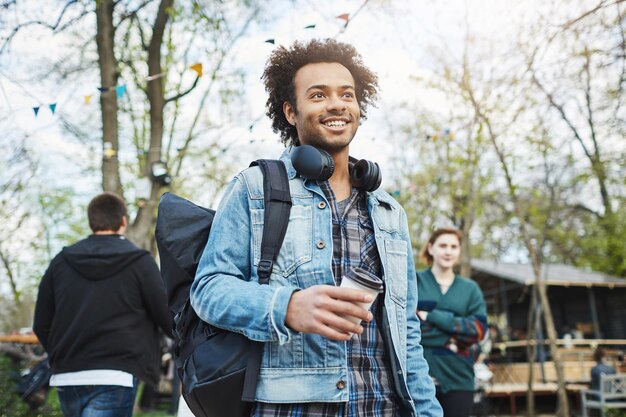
(317, 164)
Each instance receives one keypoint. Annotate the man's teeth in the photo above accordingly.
(335, 123)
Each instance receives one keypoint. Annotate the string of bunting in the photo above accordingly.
(120, 90)
(344, 16)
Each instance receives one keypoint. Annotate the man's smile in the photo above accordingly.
(336, 123)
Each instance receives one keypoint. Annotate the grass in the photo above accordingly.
(152, 414)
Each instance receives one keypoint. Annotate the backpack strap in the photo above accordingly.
(277, 208)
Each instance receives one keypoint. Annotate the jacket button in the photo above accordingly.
(321, 244)
(341, 384)
(321, 205)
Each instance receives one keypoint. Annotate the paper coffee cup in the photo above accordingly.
(360, 279)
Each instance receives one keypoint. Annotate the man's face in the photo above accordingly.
(328, 113)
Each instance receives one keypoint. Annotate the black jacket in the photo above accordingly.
(99, 306)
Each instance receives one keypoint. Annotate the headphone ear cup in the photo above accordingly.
(312, 163)
(366, 175)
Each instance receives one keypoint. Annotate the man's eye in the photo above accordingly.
(317, 95)
(349, 95)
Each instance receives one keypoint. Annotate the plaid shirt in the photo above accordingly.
(369, 376)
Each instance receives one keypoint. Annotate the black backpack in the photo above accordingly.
(218, 369)
(32, 387)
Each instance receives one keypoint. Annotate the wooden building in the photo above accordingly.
(584, 303)
(589, 310)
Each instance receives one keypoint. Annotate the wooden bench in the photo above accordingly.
(612, 395)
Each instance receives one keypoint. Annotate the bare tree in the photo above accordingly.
(586, 97)
(142, 41)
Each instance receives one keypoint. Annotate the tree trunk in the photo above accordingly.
(563, 410)
(140, 231)
(530, 351)
(105, 39)
(556, 356)
(17, 297)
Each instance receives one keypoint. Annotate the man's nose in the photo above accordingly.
(335, 103)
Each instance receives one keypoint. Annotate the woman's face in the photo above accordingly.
(445, 251)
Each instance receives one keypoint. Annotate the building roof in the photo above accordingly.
(552, 274)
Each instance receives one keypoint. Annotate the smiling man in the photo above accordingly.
(316, 360)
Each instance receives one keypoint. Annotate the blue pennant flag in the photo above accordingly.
(120, 89)
(53, 107)
(103, 89)
(36, 110)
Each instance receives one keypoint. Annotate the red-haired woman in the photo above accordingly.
(453, 318)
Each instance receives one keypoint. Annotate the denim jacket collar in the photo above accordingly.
(378, 196)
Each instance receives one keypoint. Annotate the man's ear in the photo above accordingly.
(290, 113)
(123, 226)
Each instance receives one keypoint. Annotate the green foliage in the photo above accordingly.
(11, 405)
(152, 414)
(65, 221)
(614, 412)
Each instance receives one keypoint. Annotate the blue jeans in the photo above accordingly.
(97, 400)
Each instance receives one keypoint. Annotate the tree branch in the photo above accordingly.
(582, 207)
(6, 262)
(133, 13)
(622, 76)
(184, 93)
(54, 27)
(190, 135)
(590, 120)
(588, 13)
(561, 111)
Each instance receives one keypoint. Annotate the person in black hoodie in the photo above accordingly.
(99, 307)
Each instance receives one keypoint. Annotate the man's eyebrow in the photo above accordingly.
(325, 87)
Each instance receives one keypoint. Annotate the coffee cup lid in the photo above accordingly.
(365, 278)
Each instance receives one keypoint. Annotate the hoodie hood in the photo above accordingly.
(101, 256)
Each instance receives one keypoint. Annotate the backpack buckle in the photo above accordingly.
(265, 267)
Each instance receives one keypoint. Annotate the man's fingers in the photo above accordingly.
(348, 294)
(345, 308)
(333, 334)
(336, 327)
(343, 324)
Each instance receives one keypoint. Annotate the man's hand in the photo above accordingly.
(319, 309)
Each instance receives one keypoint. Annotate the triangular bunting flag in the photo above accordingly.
(87, 99)
(53, 107)
(310, 27)
(197, 68)
(269, 41)
(36, 110)
(120, 89)
(103, 89)
(344, 16)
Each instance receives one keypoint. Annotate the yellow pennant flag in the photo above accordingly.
(87, 99)
(197, 68)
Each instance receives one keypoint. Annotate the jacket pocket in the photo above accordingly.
(296, 248)
(395, 267)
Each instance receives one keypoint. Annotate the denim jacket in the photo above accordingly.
(298, 367)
